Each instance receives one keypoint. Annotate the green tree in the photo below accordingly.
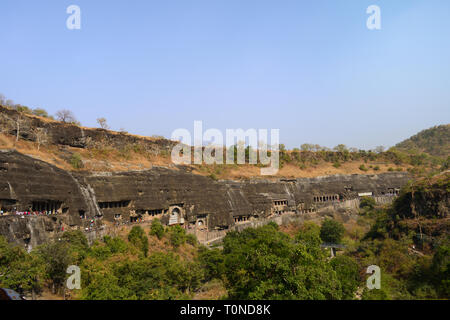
(264, 263)
(348, 274)
(212, 261)
(331, 231)
(100, 283)
(57, 256)
(441, 270)
(138, 238)
(78, 244)
(19, 270)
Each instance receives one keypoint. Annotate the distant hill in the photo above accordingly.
(434, 141)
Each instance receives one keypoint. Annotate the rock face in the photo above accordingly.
(30, 231)
(159, 190)
(27, 184)
(426, 198)
(175, 196)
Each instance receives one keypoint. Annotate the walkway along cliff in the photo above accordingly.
(39, 201)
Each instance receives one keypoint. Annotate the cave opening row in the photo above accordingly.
(281, 202)
(241, 218)
(326, 198)
(307, 210)
(153, 212)
(49, 205)
(114, 204)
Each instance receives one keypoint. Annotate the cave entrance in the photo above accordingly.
(7, 205)
(82, 214)
(46, 206)
(174, 216)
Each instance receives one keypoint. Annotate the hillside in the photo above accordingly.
(434, 141)
(70, 146)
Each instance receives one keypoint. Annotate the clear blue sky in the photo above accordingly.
(310, 68)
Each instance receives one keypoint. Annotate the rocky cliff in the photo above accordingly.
(176, 196)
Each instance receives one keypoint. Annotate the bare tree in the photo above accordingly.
(19, 120)
(2, 99)
(103, 124)
(379, 149)
(41, 136)
(9, 103)
(66, 116)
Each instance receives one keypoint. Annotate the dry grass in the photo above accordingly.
(291, 229)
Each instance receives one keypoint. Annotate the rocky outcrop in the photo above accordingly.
(29, 231)
(66, 134)
(426, 198)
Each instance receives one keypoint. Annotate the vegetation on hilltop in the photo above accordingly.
(434, 141)
(424, 153)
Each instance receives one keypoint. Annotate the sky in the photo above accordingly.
(311, 69)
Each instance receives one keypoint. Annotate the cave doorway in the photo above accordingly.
(174, 216)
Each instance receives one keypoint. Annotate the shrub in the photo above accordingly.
(363, 168)
(157, 229)
(115, 245)
(191, 239)
(367, 202)
(40, 112)
(177, 236)
(76, 161)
